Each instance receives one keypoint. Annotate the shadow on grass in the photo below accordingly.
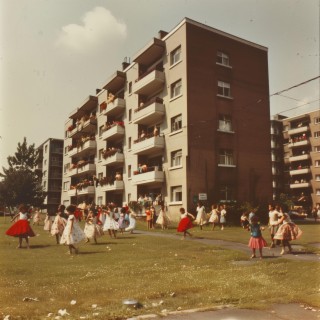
(83, 253)
(39, 246)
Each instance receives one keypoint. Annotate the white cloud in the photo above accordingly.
(99, 28)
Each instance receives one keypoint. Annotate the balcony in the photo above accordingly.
(299, 171)
(148, 145)
(117, 185)
(86, 190)
(149, 113)
(298, 130)
(113, 133)
(300, 185)
(88, 168)
(298, 143)
(72, 192)
(299, 158)
(115, 82)
(150, 83)
(72, 172)
(113, 160)
(89, 105)
(83, 127)
(151, 177)
(86, 148)
(115, 108)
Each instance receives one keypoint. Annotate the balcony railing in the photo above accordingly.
(86, 190)
(116, 107)
(298, 130)
(150, 112)
(299, 171)
(86, 148)
(88, 126)
(72, 192)
(115, 131)
(299, 158)
(89, 167)
(113, 159)
(298, 143)
(151, 177)
(299, 185)
(149, 83)
(148, 145)
(117, 185)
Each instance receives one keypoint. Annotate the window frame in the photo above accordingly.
(176, 194)
(223, 59)
(224, 89)
(175, 56)
(227, 121)
(176, 156)
(228, 156)
(179, 123)
(177, 85)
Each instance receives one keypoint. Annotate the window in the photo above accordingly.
(44, 184)
(176, 89)
(317, 163)
(225, 123)
(129, 143)
(224, 89)
(316, 120)
(317, 177)
(100, 175)
(176, 193)
(318, 192)
(226, 157)
(226, 193)
(223, 58)
(66, 168)
(175, 56)
(45, 174)
(66, 186)
(317, 148)
(100, 130)
(129, 171)
(176, 123)
(129, 197)
(100, 153)
(176, 158)
(99, 201)
(45, 148)
(130, 115)
(317, 134)
(130, 87)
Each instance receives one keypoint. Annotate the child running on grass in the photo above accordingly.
(256, 240)
(185, 223)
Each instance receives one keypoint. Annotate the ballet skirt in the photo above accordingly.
(21, 228)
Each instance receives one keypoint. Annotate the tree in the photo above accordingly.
(22, 179)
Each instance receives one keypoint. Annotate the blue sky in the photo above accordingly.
(54, 53)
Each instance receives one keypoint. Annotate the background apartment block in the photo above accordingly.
(192, 109)
(51, 158)
(302, 158)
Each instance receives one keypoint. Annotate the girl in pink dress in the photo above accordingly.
(256, 240)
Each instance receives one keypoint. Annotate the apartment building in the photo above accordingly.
(301, 136)
(51, 159)
(187, 119)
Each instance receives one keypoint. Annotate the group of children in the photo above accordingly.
(67, 230)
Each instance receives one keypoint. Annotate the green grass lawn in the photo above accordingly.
(160, 273)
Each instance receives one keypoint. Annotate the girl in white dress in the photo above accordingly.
(92, 230)
(163, 219)
(132, 222)
(59, 223)
(214, 217)
(72, 233)
(201, 218)
(110, 224)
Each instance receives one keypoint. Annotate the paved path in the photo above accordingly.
(298, 251)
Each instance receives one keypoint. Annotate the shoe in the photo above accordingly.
(253, 256)
(282, 252)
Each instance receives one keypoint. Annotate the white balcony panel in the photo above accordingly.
(150, 177)
(298, 143)
(297, 130)
(72, 152)
(72, 192)
(299, 158)
(117, 158)
(73, 132)
(87, 147)
(72, 172)
(150, 114)
(149, 146)
(299, 171)
(86, 190)
(150, 83)
(116, 107)
(300, 185)
(113, 133)
(116, 186)
(87, 168)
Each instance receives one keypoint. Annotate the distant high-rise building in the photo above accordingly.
(51, 159)
(188, 119)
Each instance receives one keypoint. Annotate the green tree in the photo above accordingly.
(21, 181)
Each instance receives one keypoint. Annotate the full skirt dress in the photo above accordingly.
(257, 243)
(288, 231)
(185, 224)
(58, 225)
(73, 236)
(20, 228)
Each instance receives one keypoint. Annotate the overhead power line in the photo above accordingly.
(297, 85)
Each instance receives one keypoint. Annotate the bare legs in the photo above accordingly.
(284, 244)
(20, 242)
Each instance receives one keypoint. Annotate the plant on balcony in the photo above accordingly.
(70, 128)
(103, 106)
(103, 181)
(84, 184)
(70, 147)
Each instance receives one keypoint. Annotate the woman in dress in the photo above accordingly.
(185, 223)
(110, 224)
(163, 219)
(21, 227)
(287, 231)
(72, 233)
(122, 222)
(59, 223)
(92, 230)
(132, 222)
(214, 216)
(36, 217)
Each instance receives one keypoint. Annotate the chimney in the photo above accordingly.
(98, 90)
(125, 63)
(162, 34)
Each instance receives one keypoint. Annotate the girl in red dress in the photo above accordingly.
(21, 228)
(185, 223)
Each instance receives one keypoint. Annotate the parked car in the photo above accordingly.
(295, 215)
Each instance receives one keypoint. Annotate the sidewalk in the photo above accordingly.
(298, 251)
